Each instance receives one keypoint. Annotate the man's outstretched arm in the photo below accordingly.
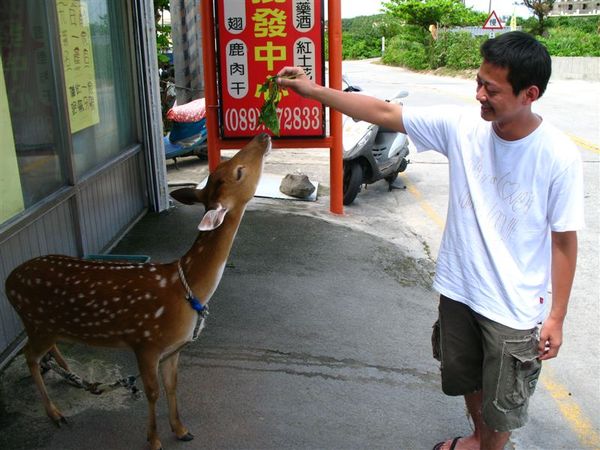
(357, 106)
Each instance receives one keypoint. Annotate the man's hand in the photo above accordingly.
(551, 337)
(295, 79)
(564, 259)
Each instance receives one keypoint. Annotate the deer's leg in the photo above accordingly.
(169, 377)
(60, 360)
(148, 364)
(34, 351)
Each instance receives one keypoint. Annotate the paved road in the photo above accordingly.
(568, 397)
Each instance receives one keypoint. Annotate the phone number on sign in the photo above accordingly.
(246, 119)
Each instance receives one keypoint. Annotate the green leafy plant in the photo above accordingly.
(268, 111)
(272, 94)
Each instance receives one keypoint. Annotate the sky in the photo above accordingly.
(353, 8)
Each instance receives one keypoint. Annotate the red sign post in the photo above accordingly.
(255, 40)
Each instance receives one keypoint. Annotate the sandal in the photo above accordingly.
(439, 445)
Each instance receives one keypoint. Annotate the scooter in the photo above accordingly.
(371, 153)
(188, 126)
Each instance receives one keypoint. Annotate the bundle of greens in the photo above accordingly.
(268, 111)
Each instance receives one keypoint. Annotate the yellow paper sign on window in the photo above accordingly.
(78, 63)
(11, 195)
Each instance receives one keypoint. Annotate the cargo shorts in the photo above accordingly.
(478, 354)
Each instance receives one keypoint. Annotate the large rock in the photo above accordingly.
(298, 186)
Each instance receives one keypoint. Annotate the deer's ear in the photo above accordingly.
(213, 218)
(187, 196)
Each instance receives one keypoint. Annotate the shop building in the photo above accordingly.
(81, 157)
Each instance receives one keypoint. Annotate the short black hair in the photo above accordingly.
(527, 60)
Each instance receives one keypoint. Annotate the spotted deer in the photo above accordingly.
(151, 308)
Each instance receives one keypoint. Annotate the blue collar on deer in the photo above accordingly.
(201, 309)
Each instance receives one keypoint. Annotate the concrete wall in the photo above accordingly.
(576, 68)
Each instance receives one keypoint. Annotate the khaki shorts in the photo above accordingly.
(479, 354)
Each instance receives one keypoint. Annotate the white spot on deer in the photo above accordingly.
(146, 333)
(80, 295)
(159, 312)
(116, 299)
(147, 296)
(152, 269)
(163, 282)
(40, 309)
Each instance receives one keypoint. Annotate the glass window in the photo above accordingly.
(116, 126)
(86, 54)
(29, 85)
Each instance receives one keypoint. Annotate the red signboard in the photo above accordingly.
(256, 39)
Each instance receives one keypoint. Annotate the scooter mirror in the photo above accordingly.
(400, 94)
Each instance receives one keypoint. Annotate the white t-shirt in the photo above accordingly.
(505, 198)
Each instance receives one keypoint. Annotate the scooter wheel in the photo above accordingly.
(353, 176)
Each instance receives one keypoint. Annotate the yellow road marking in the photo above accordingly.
(570, 410)
(431, 213)
(584, 429)
(584, 144)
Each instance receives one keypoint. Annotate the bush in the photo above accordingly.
(409, 48)
(571, 42)
(359, 48)
(401, 52)
(457, 50)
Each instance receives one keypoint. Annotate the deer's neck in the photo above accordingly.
(204, 262)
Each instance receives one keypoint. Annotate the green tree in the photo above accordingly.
(540, 9)
(163, 32)
(424, 13)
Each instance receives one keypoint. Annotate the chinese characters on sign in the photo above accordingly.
(257, 38)
(78, 62)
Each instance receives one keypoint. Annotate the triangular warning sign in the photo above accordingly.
(493, 22)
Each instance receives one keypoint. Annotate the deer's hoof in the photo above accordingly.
(186, 437)
(60, 421)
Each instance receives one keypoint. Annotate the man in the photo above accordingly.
(516, 201)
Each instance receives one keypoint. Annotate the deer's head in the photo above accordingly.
(231, 186)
